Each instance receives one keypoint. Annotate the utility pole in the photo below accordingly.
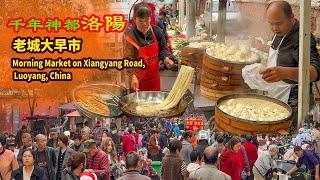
(221, 32)
(181, 12)
(211, 22)
(174, 8)
(304, 63)
(191, 18)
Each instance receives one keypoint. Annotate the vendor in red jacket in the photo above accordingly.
(229, 160)
(146, 41)
(251, 151)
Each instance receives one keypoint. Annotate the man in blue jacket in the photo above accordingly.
(307, 158)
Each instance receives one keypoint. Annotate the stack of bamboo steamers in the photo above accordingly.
(220, 66)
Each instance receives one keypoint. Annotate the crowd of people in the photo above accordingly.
(129, 153)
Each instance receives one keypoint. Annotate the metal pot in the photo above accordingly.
(111, 92)
(129, 103)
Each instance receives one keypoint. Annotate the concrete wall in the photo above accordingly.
(254, 12)
(314, 3)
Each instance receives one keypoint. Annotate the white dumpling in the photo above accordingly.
(254, 109)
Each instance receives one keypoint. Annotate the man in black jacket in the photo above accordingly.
(27, 143)
(283, 62)
(45, 157)
(53, 140)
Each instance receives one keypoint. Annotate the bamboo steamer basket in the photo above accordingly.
(220, 77)
(216, 94)
(192, 56)
(239, 126)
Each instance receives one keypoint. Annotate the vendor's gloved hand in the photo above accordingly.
(134, 83)
(168, 62)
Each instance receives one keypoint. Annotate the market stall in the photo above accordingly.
(106, 101)
(218, 73)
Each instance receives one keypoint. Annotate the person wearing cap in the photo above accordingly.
(97, 160)
(8, 160)
(265, 162)
(209, 169)
(63, 153)
(203, 142)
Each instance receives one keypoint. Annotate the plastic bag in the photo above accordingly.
(253, 78)
(279, 90)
